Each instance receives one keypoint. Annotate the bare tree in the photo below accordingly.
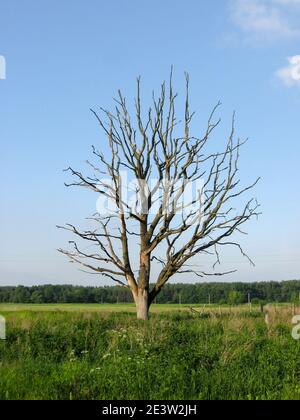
(162, 222)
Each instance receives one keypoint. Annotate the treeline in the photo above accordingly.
(218, 293)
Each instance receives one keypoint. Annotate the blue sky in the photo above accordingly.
(64, 57)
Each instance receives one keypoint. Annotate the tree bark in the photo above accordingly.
(142, 305)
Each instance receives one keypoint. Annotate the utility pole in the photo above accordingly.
(249, 301)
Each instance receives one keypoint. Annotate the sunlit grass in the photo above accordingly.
(177, 355)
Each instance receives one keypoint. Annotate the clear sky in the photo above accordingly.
(64, 57)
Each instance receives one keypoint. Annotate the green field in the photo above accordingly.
(123, 308)
(102, 352)
(77, 307)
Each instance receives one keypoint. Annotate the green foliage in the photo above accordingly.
(174, 356)
(295, 298)
(218, 293)
(235, 298)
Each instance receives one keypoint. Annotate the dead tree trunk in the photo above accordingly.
(142, 301)
(142, 305)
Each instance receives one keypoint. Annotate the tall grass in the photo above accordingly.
(174, 356)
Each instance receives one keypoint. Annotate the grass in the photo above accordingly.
(113, 308)
(80, 352)
(77, 307)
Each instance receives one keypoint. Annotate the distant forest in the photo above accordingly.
(217, 293)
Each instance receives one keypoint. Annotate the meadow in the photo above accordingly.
(102, 352)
